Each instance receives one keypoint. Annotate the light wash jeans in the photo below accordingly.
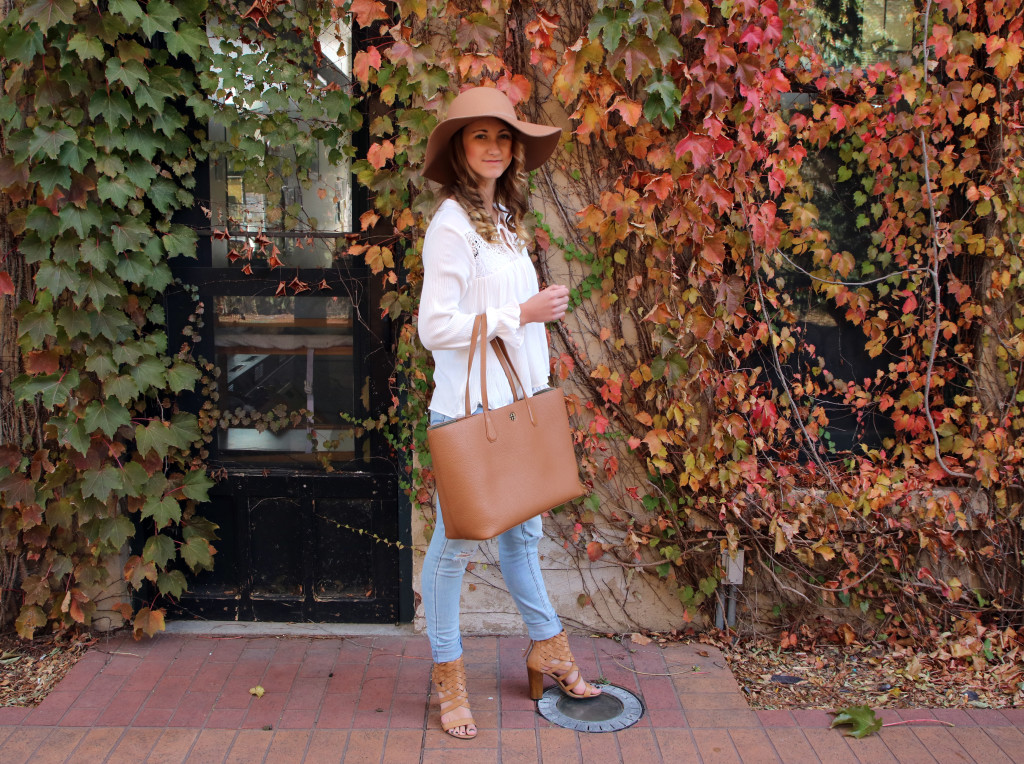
(443, 568)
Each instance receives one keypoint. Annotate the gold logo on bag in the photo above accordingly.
(512, 416)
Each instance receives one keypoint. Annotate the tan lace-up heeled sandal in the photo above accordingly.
(450, 679)
(550, 656)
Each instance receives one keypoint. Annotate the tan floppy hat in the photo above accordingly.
(475, 103)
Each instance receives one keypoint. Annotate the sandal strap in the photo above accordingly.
(556, 650)
(450, 679)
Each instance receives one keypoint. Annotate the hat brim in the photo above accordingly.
(540, 142)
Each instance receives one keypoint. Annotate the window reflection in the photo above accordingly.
(854, 33)
(304, 222)
(282, 355)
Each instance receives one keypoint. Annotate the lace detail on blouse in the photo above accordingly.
(489, 258)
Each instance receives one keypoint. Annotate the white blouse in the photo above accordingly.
(465, 275)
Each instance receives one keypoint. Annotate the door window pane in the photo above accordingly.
(285, 355)
(303, 222)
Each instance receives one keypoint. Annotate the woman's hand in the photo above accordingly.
(547, 305)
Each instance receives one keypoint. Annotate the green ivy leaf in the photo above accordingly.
(112, 324)
(668, 46)
(197, 555)
(46, 13)
(106, 417)
(172, 583)
(128, 9)
(127, 353)
(50, 175)
(163, 194)
(101, 364)
(73, 322)
(74, 434)
(131, 73)
(142, 141)
(163, 510)
(665, 101)
(56, 277)
(139, 171)
(77, 156)
(117, 189)
(111, 106)
(134, 268)
(36, 327)
(129, 234)
(181, 240)
(96, 286)
(159, 549)
(97, 252)
(83, 221)
(149, 373)
(22, 45)
(160, 17)
(133, 479)
(41, 221)
(159, 277)
(48, 143)
(197, 485)
(182, 376)
(863, 719)
(611, 24)
(100, 483)
(115, 531)
(159, 436)
(188, 39)
(54, 389)
(34, 249)
(87, 46)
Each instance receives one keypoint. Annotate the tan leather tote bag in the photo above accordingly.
(497, 469)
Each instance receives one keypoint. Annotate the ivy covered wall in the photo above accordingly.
(796, 328)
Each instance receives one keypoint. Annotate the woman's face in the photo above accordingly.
(488, 146)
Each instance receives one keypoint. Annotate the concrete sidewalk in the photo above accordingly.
(366, 698)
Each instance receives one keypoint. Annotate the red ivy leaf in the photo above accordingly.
(42, 362)
(594, 551)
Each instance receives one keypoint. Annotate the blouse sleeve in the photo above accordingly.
(447, 271)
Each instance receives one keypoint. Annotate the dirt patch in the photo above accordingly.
(880, 676)
(29, 670)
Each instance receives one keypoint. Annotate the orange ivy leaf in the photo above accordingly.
(364, 61)
(594, 551)
(516, 87)
(148, 622)
(629, 109)
(6, 284)
(539, 31)
(368, 11)
(380, 153)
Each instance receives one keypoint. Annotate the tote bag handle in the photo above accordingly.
(479, 337)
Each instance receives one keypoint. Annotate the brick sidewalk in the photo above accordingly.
(366, 699)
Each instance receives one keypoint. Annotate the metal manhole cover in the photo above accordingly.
(614, 709)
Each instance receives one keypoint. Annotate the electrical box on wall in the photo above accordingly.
(733, 567)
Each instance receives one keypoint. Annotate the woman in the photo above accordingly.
(474, 261)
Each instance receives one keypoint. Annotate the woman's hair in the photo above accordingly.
(509, 190)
